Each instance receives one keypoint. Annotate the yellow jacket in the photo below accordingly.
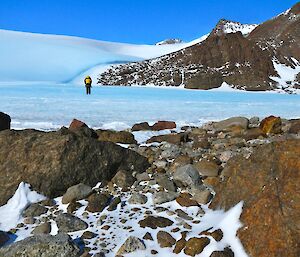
(88, 81)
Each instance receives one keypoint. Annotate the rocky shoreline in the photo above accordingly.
(155, 198)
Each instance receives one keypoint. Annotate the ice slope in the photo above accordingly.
(56, 58)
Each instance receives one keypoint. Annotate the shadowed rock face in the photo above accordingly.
(243, 61)
(52, 162)
(266, 182)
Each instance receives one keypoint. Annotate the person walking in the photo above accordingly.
(88, 84)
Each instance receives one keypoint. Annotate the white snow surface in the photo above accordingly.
(119, 231)
(11, 213)
(56, 58)
(233, 27)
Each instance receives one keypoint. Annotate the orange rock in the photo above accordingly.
(271, 125)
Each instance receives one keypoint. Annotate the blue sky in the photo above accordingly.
(133, 21)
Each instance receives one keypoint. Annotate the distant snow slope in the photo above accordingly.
(54, 58)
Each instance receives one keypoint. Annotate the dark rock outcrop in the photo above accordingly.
(54, 161)
(267, 182)
(123, 137)
(4, 121)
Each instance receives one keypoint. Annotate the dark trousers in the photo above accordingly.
(88, 89)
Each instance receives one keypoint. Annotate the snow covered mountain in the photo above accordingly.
(169, 42)
(39, 57)
(248, 57)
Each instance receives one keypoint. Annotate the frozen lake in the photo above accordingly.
(43, 106)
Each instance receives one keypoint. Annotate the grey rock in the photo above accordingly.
(114, 204)
(60, 245)
(231, 122)
(137, 198)
(142, 177)
(69, 223)
(77, 192)
(123, 179)
(169, 151)
(165, 182)
(34, 210)
(186, 176)
(163, 197)
(131, 244)
(4, 238)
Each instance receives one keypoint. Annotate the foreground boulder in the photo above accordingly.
(161, 125)
(230, 123)
(42, 245)
(268, 183)
(271, 125)
(54, 161)
(4, 121)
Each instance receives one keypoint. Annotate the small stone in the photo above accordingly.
(186, 176)
(68, 223)
(227, 252)
(155, 222)
(148, 236)
(195, 245)
(131, 244)
(123, 179)
(34, 210)
(88, 235)
(183, 214)
(154, 252)
(113, 205)
(97, 202)
(180, 244)
(165, 239)
(73, 206)
(185, 200)
(217, 234)
(207, 168)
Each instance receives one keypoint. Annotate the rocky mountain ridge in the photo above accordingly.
(244, 56)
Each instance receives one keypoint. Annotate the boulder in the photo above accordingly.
(34, 210)
(174, 138)
(185, 200)
(97, 202)
(69, 223)
(155, 222)
(114, 204)
(164, 181)
(77, 192)
(164, 239)
(294, 126)
(60, 245)
(4, 238)
(141, 126)
(161, 125)
(54, 161)
(207, 168)
(123, 179)
(77, 124)
(271, 125)
(44, 228)
(230, 123)
(4, 121)
(131, 244)
(123, 137)
(252, 133)
(267, 182)
(186, 176)
(163, 197)
(137, 198)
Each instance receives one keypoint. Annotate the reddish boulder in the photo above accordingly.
(268, 183)
(141, 126)
(4, 121)
(161, 125)
(271, 125)
(76, 124)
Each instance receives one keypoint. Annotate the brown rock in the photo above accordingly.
(179, 161)
(217, 234)
(123, 137)
(252, 133)
(76, 124)
(180, 244)
(195, 245)
(268, 183)
(148, 236)
(175, 138)
(123, 179)
(226, 253)
(155, 222)
(44, 228)
(164, 239)
(185, 200)
(4, 121)
(295, 126)
(73, 206)
(141, 126)
(97, 202)
(88, 235)
(161, 125)
(271, 125)
(207, 168)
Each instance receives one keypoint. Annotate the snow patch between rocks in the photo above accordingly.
(11, 213)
